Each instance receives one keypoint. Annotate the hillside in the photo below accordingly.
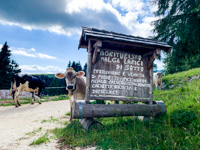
(178, 129)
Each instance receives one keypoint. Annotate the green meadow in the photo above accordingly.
(178, 129)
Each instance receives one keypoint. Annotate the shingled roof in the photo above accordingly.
(92, 33)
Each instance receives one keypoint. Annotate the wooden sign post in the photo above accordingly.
(120, 68)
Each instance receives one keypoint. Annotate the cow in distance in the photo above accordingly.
(157, 79)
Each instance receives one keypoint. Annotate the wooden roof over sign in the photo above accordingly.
(96, 34)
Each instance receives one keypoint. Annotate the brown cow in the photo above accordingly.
(75, 84)
(157, 79)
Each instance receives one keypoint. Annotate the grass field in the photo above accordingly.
(178, 129)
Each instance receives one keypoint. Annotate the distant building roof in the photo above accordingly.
(92, 33)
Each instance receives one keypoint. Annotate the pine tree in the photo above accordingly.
(8, 67)
(69, 64)
(179, 27)
(73, 65)
(78, 67)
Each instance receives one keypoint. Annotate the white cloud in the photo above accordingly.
(128, 5)
(23, 53)
(67, 16)
(30, 53)
(75, 6)
(41, 69)
(43, 56)
(32, 49)
(160, 64)
(137, 16)
(145, 28)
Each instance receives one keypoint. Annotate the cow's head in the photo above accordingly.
(159, 74)
(70, 77)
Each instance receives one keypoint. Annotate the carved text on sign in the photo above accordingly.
(119, 74)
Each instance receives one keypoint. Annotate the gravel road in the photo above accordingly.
(19, 127)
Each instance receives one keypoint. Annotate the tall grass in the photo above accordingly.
(178, 129)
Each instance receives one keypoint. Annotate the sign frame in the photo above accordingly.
(94, 50)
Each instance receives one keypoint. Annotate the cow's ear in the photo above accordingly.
(80, 74)
(59, 75)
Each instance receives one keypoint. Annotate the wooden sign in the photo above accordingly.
(120, 67)
(120, 75)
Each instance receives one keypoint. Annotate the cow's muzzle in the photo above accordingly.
(70, 87)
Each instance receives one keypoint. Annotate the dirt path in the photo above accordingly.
(19, 127)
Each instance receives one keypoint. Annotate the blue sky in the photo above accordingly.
(43, 36)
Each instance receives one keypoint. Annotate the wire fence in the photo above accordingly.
(52, 91)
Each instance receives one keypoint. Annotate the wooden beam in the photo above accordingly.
(97, 47)
(84, 46)
(149, 53)
(121, 98)
(152, 58)
(151, 85)
(89, 68)
(94, 58)
(83, 110)
(130, 44)
(97, 44)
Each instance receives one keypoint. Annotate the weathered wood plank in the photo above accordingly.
(152, 58)
(149, 53)
(112, 110)
(98, 43)
(89, 68)
(94, 58)
(118, 73)
(121, 98)
(151, 85)
(122, 37)
(97, 47)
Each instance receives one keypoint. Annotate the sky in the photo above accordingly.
(43, 35)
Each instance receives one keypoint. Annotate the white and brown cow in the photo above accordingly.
(27, 83)
(157, 79)
(75, 84)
